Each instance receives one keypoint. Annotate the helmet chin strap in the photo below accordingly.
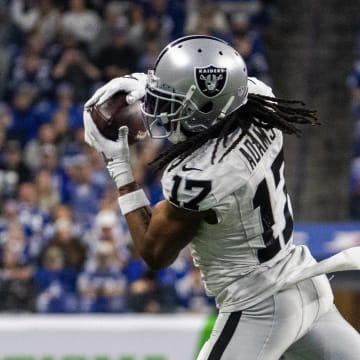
(176, 134)
(225, 109)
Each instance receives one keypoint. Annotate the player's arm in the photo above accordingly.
(157, 235)
(160, 233)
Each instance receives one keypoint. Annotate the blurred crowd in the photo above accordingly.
(64, 247)
(353, 82)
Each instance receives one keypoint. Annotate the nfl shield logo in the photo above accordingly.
(210, 80)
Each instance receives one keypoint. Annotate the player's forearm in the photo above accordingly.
(150, 240)
(138, 220)
(159, 234)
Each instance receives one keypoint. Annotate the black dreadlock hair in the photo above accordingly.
(262, 111)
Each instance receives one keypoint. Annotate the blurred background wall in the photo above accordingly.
(312, 48)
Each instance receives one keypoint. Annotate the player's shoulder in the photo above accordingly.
(188, 187)
(198, 183)
(256, 86)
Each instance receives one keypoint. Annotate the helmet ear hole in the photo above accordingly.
(207, 107)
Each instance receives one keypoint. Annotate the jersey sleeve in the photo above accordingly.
(190, 191)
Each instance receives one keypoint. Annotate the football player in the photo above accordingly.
(225, 195)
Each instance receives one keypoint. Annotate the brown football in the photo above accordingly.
(116, 112)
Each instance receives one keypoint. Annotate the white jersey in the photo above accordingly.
(248, 255)
(247, 191)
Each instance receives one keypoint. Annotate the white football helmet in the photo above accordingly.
(196, 81)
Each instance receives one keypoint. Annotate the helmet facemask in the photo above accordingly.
(166, 108)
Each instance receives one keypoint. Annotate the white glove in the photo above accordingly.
(133, 84)
(115, 153)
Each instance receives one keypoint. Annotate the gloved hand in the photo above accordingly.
(133, 84)
(115, 153)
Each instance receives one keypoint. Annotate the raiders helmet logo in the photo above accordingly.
(210, 79)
